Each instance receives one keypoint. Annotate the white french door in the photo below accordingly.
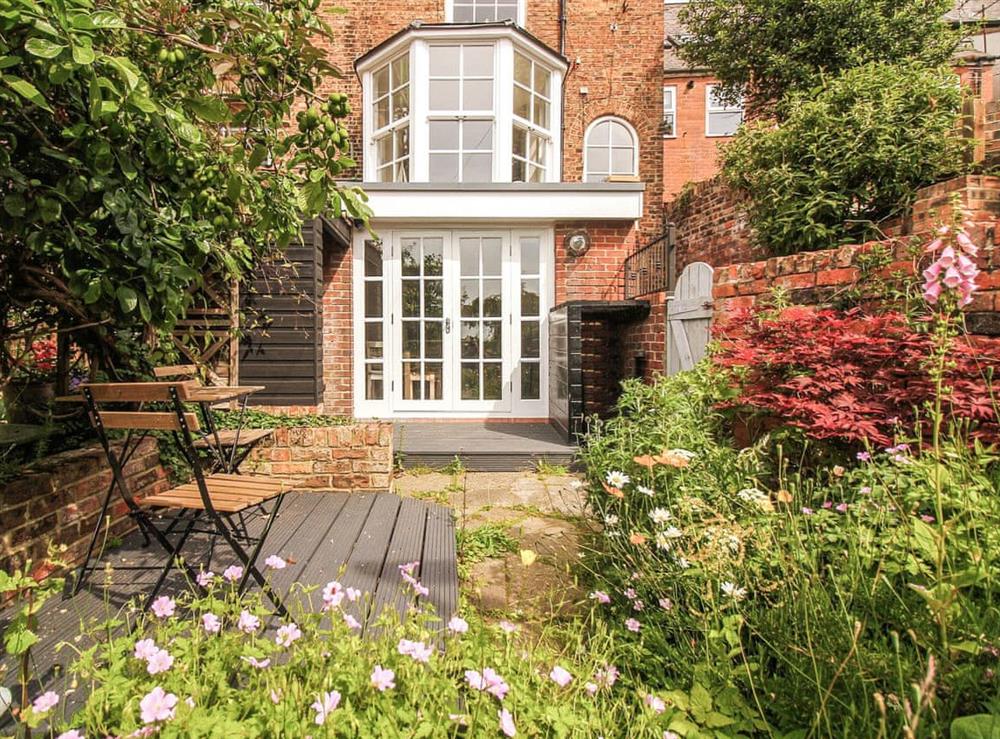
(462, 313)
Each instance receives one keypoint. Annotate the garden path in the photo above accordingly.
(499, 514)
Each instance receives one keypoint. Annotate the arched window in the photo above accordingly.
(612, 150)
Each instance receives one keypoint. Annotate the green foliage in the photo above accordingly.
(766, 49)
(229, 694)
(256, 419)
(847, 156)
(145, 145)
(545, 468)
(483, 542)
(820, 599)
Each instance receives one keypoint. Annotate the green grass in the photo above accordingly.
(545, 468)
(488, 541)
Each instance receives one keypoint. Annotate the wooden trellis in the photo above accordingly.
(206, 336)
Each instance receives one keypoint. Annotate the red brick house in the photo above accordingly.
(513, 155)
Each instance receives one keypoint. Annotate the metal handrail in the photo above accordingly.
(650, 268)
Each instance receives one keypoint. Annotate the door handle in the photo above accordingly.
(447, 325)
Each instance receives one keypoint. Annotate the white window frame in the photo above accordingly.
(393, 126)
(709, 109)
(528, 126)
(505, 41)
(586, 147)
(672, 110)
(449, 12)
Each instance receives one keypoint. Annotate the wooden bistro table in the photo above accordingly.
(227, 448)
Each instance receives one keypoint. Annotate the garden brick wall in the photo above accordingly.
(338, 333)
(58, 501)
(350, 458)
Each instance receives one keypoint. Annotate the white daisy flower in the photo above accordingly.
(661, 541)
(644, 490)
(617, 479)
(733, 544)
(672, 532)
(732, 590)
(660, 516)
(682, 563)
(683, 453)
(611, 520)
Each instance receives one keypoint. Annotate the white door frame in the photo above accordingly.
(391, 404)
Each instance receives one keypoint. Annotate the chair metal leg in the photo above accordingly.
(85, 567)
(172, 559)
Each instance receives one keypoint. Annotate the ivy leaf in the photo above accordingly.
(26, 90)
(127, 298)
(43, 48)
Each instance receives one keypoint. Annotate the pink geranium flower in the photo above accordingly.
(260, 664)
(163, 607)
(591, 689)
(458, 625)
(204, 579)
(211, 623)
(324, 705)
(159, 661)
(601, 597)
(158, 705)
(607, 676)
(333, 595)
(287, 634)
(352, 623)
(560, 676)
(419, 651)
(45, 702)
(507, 723)
(275, 562)
(507, 627)
(383, 679)
(632, 625)
(248, 623)
(145, 648)
(232, 573)
(71, 734)
(655, 703)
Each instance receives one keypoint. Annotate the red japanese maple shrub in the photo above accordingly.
(850, 376)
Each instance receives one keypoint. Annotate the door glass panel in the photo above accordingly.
(374, 385)
(373, 299)
(411, 339)
(373, 340)
(470, 381)
(373, 258)
(529, 297)
(529, 339)
(492, 256)
(469, 249)
(411, 266)
(492, 381)
(470, 298)
(531, 384)
(411, 298)
(492, 334)
(481, 305)
(433, 341)
(529, 256)
(492, 299)
(433, 298)
(433, 381)
(470, 339)
(421, 320)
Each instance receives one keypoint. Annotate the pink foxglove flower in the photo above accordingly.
(232, 573)
(953, 269)
(287, 634)
(324, 705)
(383, 679)
(507, 723)
(560, 676)
(158, 705)
(275, 562)
(45, 702)
(163, 607)
(211, 623)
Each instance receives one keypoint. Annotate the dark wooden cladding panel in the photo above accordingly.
(284, 352)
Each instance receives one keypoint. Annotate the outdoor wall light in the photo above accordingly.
(577, 243)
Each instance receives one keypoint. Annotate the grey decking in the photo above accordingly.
(482, 446)
(358, 539)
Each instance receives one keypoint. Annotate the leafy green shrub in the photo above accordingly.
(210, 666)
(848, 155)
(816, 602)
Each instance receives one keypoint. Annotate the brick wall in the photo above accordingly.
(349, 458)
(338, 333)
(598, 274)
(58, 501)
(712, 226)
(644, 341)
(817, 278)
(690, 156)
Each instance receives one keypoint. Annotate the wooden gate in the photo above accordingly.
(689, 317)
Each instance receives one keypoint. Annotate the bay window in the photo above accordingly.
(462, 105)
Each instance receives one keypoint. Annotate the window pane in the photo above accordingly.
(402, 171)
(463, 13)
(542, 79)
(477, 61)
(411, 298)
(470, 381)
(374, 386)
(600, 134)
(492, 302)
(433, 298)
(529, 256)
(668, 99)
(485, 14)
(444, 94)
(519, 171)
(598, 160)
(529, 339)
(444, 61)
(373, 340)
(470, 298)
(443, 135)
(402, 142)
(536, 174)
(492, 382)
(381, 81)
(382, 113)
(621, 161)
(384, 174)
(444, 168)
(492, 334)
(536, 152)
(620, 135)
(478, 95)
(477, 135)
(400, 103)
(522, 103)
(520, 147)
(469, 256)
(531, 381)
(724, 124)
(529, 297)
(373, 258)
(433, 345)
(410, 253)
(373, 300)
(383, 149)
(477, 168)
(492, 255)
(401, 71)
(433, 381)
(522, 69)
(433, 256)
(411, 339)
(470, 339)
(541, 114)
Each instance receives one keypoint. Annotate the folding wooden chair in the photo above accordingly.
(215, 504)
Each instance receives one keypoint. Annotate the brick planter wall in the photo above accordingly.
(349, 458)
(57, 500)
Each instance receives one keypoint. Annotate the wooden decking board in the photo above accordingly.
(360, 539)
(405, 546)
(439, 566)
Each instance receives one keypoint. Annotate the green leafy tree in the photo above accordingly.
(145, 144)
(847, 156)
(768, 48)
